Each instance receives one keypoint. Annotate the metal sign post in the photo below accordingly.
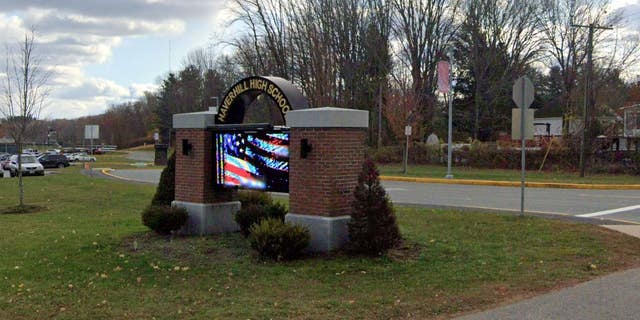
(407, 132)
(523, 93)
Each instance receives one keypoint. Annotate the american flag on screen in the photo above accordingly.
(253, 160)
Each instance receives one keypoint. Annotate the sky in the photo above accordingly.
(105, 52)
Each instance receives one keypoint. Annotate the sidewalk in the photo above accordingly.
(616, 296)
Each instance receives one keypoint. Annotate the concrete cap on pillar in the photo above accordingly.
(327, 118)
(194, 120)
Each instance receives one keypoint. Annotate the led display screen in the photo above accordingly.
(253, 160)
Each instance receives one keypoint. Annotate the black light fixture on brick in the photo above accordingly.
(305, 148)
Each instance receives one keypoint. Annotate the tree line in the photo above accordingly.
(381, 56)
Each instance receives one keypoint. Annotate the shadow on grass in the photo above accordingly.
(22, 209)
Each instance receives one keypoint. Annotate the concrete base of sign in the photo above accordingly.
(209, 218)
(327, 233)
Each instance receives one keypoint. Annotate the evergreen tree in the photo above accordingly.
(191, 91)
(168, 99)
(373, 228)
(165, 192)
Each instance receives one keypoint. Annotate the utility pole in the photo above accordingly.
(588, 91)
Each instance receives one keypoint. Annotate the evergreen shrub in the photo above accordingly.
(255, 212)
(372, 229)
(164, 219)
(248, 197)
(249, 215)
(277, 240)
(165, 192)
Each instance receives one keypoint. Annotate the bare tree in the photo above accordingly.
(567, 45)
(424, 30)
(501, 41)
(24, 93)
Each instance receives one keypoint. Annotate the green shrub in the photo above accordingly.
(278, 240)
(249, 215)
(276, 210)
(422, 153)
(373, 228)
(249, 197)
(165, 192)
(164, 219)
(386, 154)
(255, 212)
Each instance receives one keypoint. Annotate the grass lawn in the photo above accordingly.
(87, 256)
(432, 171)
(119, 160)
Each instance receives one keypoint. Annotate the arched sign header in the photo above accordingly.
(285, 95)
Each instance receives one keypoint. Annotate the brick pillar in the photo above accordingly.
(321, 185)
(211, 209)
(194, 174)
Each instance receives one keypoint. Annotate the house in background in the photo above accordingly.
(547, 127)
(631, 116)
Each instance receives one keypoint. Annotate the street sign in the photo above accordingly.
(523, 92)
(92, 131)
(529, 128)
(407, 130)
(523, 97)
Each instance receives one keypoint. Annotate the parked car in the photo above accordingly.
(53, 161)
(83, 157)
(4, 161)
(29, 165)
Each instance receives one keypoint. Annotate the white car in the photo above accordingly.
(29, 166)
(83, 157)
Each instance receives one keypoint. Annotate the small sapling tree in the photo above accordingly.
(24, 93)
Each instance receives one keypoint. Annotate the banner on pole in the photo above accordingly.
(443, 77)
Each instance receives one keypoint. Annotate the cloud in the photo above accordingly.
(73, 35)
(93, 87)
(56, 22)
(92, 96)
(139, 89)
(137, 9)
(630, 14)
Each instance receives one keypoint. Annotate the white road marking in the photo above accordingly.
(605, 212)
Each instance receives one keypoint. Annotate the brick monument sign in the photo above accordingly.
(326, 150)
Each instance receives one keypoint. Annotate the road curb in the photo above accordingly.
(515, 183)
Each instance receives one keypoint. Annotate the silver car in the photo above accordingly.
(29, 166)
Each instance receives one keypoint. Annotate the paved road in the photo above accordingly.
(611, 297)
(557, 201)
